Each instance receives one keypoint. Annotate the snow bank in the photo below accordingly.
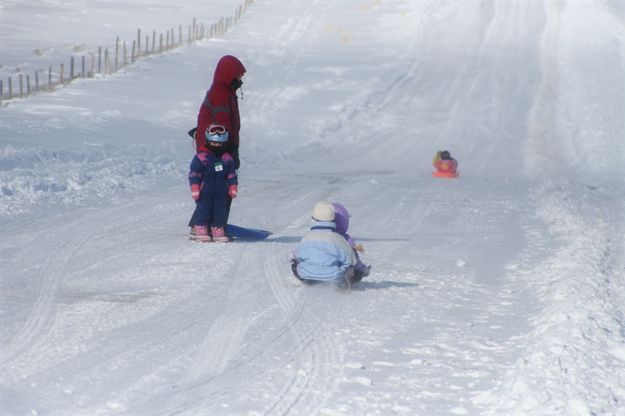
(581, 325)
(41, 177)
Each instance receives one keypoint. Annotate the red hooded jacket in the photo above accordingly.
(221, 105)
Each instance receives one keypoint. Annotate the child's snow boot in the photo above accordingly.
(192, 233)
(201, 234)
(219, 235)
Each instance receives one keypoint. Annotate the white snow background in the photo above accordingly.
(498, 293)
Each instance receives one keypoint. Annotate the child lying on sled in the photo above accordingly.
(323, 255)
(445, 165)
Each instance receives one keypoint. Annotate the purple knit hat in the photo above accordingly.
(341, 218)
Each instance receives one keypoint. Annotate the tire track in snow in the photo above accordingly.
(27, 353)
(134, 341)
(292, 35)
(228, 330)
(43, 312)
(222, 351)
(308, 388)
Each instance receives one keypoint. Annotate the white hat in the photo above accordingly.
(323, 211)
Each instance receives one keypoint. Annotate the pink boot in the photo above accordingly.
(201, 234)
(219, 235)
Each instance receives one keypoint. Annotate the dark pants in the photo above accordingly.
(194, 217)
(211, 211)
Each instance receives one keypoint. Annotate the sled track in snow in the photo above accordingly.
(318, 371)
(294, 32)
(316, 357)
(52, 271)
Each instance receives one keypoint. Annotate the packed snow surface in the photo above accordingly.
(500, 292)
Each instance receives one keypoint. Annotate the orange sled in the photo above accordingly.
(448, 175)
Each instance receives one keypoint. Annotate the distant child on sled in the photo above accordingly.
(324, 255)
(445, 165)
(213, 180)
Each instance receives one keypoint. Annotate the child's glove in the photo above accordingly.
(359, 247)
(232, 191)
(195, 191)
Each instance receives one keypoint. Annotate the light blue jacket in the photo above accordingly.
(323, 254)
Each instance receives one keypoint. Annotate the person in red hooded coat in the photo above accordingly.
(220, 108)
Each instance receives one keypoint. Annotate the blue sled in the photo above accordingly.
(242, 233)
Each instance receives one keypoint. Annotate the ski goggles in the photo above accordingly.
(216, 129)
(217, 133)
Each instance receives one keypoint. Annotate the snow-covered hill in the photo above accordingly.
(497, 293)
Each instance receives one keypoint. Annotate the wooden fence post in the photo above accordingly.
(160, 48)
(147, 44)
(132, 55)
(10, 87)
(36, 80)
(27, 84)
(21, 78)
(99, 59)
(180, 35)
(125, 54)
(106, 61)
(154, 41)
(82, 66)
(50, 77)
(138, 43)
(1, 89)
(71, 68)
(116, 53)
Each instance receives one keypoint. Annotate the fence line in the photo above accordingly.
(104, 62)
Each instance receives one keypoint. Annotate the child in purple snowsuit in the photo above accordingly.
(213, 180)
(341, 219)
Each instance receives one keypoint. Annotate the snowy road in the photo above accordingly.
(500, 292)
